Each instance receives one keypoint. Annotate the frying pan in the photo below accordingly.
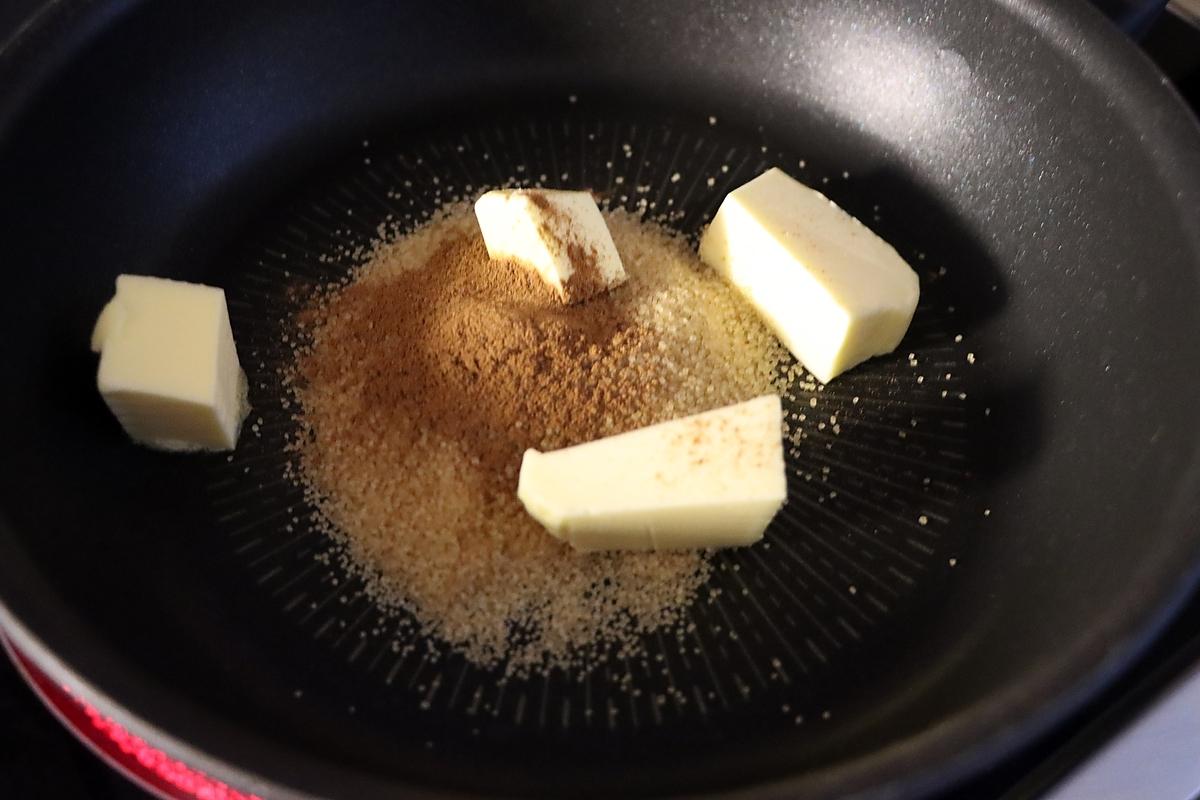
(966, 562)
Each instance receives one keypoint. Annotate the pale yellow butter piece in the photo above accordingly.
(711, 480)
(558, 234)
(834, 293)
(169, 368)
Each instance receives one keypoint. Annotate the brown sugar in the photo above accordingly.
(423, 379)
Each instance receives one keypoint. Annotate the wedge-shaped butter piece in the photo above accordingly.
(710, 480)
(834, 293)
(560, 235)
(169, 369)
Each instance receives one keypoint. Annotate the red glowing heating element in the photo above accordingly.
(143, 764)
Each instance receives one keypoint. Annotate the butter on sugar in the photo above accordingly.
(169, 368)
(558, 234)
(834, 293)
(713, 479)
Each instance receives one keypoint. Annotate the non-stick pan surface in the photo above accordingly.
(962, 561)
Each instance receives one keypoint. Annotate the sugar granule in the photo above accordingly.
(420, 380)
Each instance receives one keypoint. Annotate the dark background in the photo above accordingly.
(38, 758)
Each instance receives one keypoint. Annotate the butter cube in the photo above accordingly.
(560, 235)
(834, 293)
(168, 366)
(710, 480)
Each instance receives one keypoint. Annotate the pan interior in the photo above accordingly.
(882, 495)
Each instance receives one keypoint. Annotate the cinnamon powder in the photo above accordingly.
(585, 280)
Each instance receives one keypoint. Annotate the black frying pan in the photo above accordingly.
(1023, 146)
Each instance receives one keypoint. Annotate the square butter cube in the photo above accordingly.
(714, 479)
(834, 293)
(560, 235)
(168, 366)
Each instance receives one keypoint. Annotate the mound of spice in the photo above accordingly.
(422, 379)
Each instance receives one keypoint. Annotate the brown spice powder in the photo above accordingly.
(585, 280)
(425, 377)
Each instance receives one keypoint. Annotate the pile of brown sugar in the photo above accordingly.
(423, 378)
